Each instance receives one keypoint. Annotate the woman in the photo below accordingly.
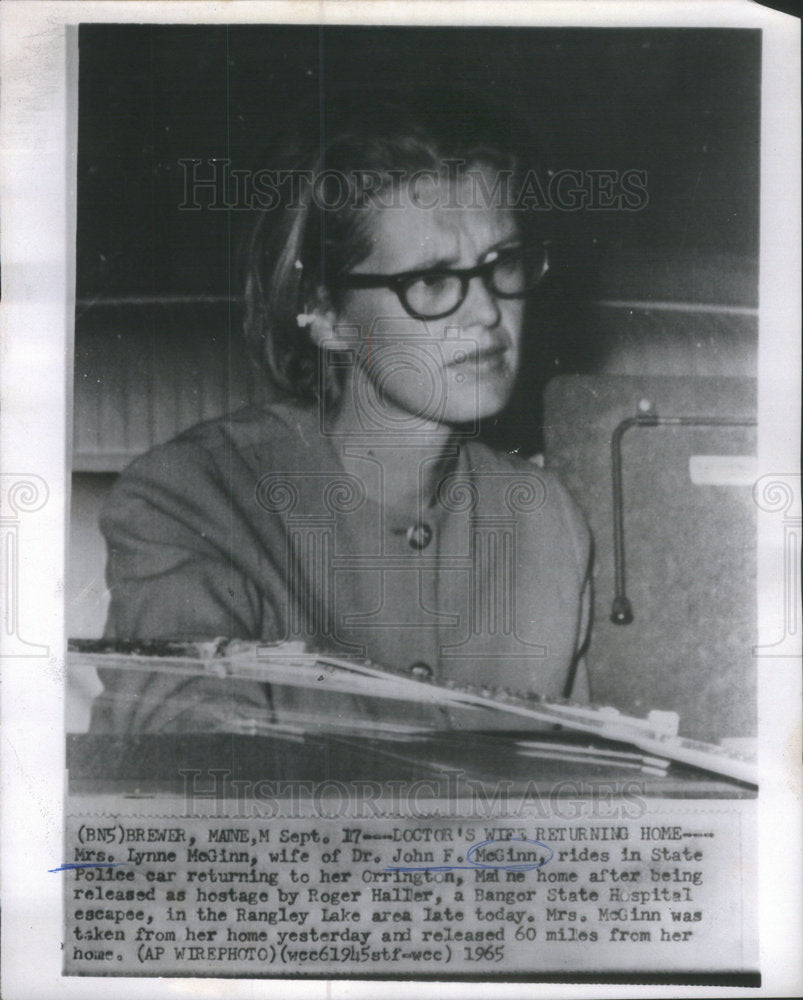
(359, 513)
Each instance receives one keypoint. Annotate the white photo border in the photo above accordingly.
(37, 198)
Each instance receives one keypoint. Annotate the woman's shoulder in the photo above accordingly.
(526, 486)
(481, 459)
(212, 468)
(252, 435)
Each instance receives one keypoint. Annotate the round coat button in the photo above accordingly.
(421, 671)
(419, 536)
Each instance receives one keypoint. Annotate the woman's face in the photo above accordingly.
(413, 373)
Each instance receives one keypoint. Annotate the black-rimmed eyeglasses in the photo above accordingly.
(434, 293)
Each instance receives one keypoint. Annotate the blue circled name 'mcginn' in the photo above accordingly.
(504, 855)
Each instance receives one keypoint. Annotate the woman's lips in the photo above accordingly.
(492, 358)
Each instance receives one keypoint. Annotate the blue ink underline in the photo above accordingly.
(87, 864)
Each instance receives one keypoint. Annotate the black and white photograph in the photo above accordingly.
(421, 432)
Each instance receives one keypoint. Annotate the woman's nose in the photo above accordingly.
(480, 307)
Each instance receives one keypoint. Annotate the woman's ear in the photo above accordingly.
(321, 323)
(321, 319)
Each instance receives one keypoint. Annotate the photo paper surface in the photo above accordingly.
(400, 501)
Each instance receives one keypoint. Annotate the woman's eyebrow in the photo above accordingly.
(504, 244)
(433, 264)
(451, 261)
(511, 240)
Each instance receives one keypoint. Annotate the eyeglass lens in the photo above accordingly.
(511, 274)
